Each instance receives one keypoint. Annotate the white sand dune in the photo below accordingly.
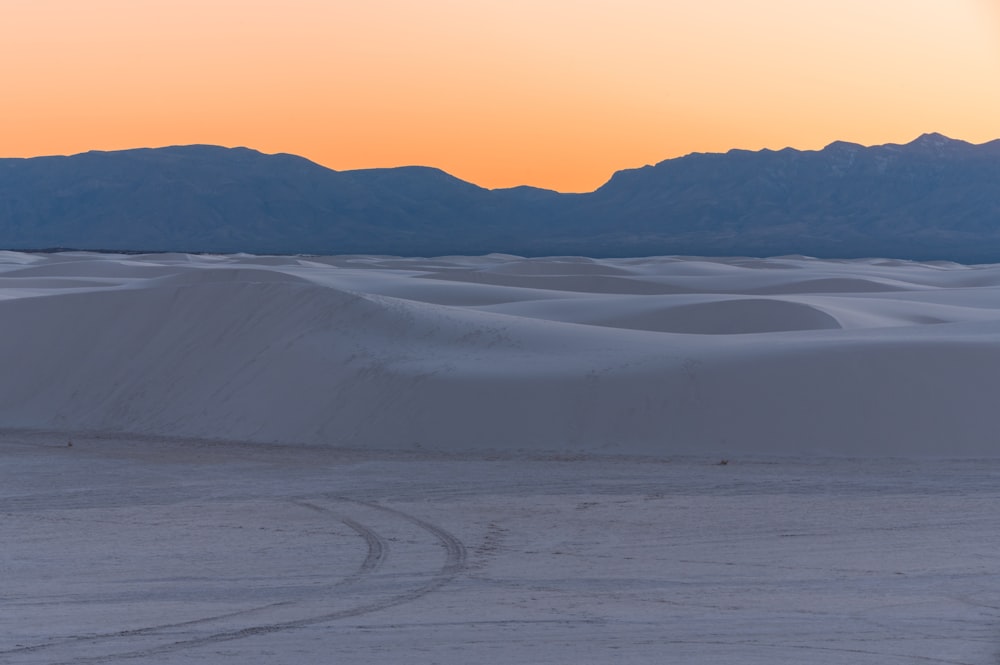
(654, 356)
(701, 314)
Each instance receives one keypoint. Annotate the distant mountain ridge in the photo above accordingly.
(933, 198)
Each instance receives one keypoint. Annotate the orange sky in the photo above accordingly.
(552, 93)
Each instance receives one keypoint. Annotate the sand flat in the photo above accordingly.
(133, 549)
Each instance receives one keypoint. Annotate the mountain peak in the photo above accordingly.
(844, 146)
(933, 140)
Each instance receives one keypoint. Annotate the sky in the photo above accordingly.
(550, 93)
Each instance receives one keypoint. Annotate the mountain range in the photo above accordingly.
(933, 198)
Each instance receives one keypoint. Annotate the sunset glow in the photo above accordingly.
(551, 93)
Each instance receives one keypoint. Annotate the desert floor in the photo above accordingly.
(186, 551)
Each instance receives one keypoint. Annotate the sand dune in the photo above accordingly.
(700, 314)
(655, 356)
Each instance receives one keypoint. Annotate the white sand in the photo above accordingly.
(554, 495)
(174, 552)
(652, 356)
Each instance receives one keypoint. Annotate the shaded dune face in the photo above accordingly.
(577, 267)
(729, 317)
(658, 355)
(572, 282)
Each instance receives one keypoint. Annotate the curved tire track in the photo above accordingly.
(455, 561)
(376, 554)
(455, 553)
(378, 548)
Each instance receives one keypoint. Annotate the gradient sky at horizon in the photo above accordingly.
(551, 93)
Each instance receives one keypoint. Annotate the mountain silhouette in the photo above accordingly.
(933, 198)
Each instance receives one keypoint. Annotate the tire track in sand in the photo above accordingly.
(454, 563)
(377, 550)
